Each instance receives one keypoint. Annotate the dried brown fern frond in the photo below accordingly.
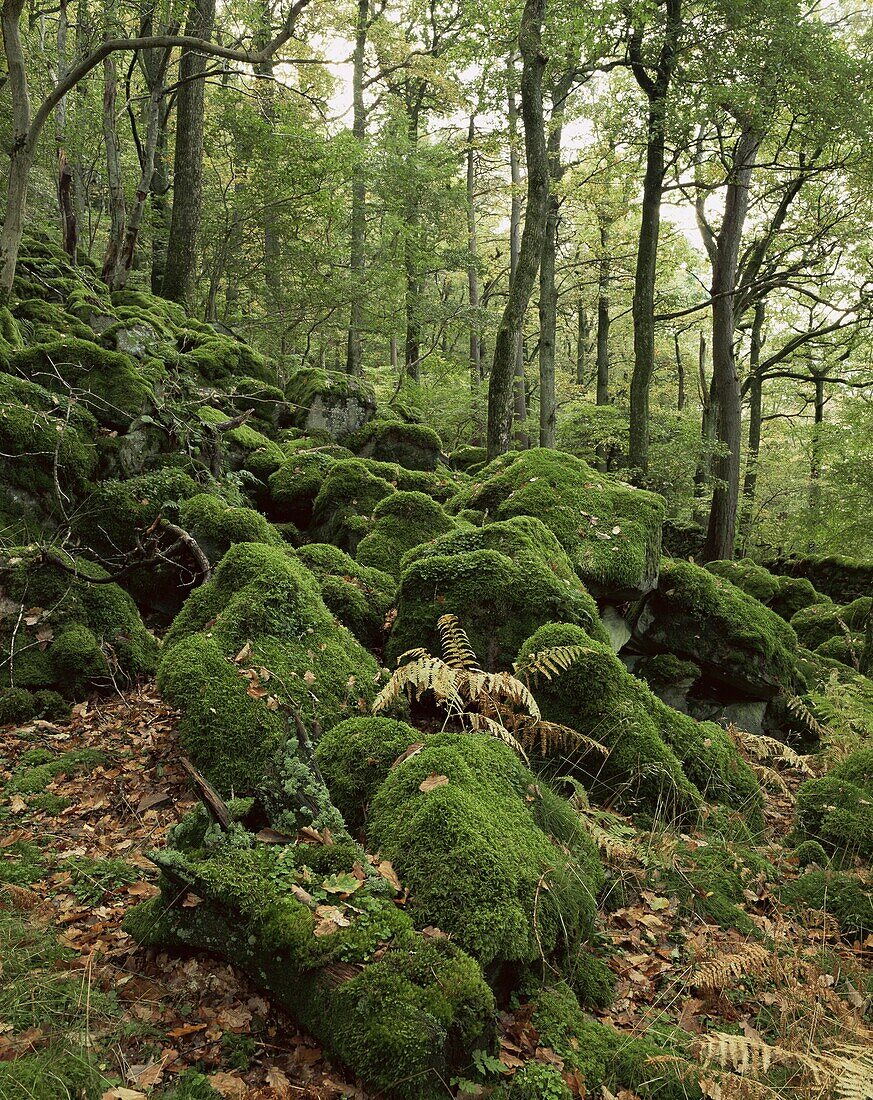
(753, 960)
(457, 651)
(768, 750)
(504, 685)
(801, 711)
(744, 1054)
(550, 662)
(551, 737)
(425, 673)
(852, 1071)
(482, 723)
(769, 777)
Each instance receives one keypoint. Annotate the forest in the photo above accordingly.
(436, 550)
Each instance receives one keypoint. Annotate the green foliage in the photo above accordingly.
(36, 771)
(92, 879)
(837, 810)
(473, 852)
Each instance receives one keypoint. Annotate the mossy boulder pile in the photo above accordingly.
(323, 400)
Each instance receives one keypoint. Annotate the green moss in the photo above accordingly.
(76, 632)
(810, 851)
(753, 579)
(17, 705)
(216, 526)
(91, 880)
(840, 578)
(817, 624)
(502, 581)
(33, 778)
(837, 810)
(664, 669)
(474, 856)
(329, 400)
(591, 979)
(23, 864)
(356, 756)
(343, 508)
(401, 522)
(534, 1081)
(604, 1056)
(261, 596)
(10, 332)
(358, 595)
(243, 448)
(734, 638)
(610, 531)
(296, 484)
(107, 383)
(468, 458)
(217, 358)
(845, 897)
(794, 593)
(845, 648)
(414, 446)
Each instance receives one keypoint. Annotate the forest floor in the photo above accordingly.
(81, 842)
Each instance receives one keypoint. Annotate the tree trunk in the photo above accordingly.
(66, 173)
(707, 424)
(181, 267)
(117, 208)
(816, 445)
(750, 481)
(548, 305)
(721, 532)
(473, 262)
(22, 150)
(583, 337)
(272, 240)
(354, 351)
(643, 306)
(412, 295)
(604, 275)
(520, 392)
(680, 371)
(500, 387)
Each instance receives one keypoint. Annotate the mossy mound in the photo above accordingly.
(784, 595)
(841, 578)
(502, 581)
(414, 446)
(72, 631)
(845, 648)
(107, 383)
(837, 810)
(400, 1010)
(844, 897)
(216, 526)
(18, 705)
(265, 604)
(357, 594)
(356, 756)
(737, 641)
(218, 358)
(243, 447)
(296, 484)
(468, 458)
(819, 623)
(468, 829)
(610, 531)
(323, 400)
(658, 757)
(400, 522)
(607, 1058)
(343, 509)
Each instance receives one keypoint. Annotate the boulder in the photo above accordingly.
(414, 446)
(329, 401)
(401, 522)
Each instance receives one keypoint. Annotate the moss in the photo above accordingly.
(794, 593)
(845, 648)
(243, 448)
(502, 581)
(664, 669)
(845, 897)
(840, 578)
(356, 756)
(414, 446)
(329, 400)
(343, 508)
(734, 638)
(400, 522)
(263, 597)
(837, 810)
(591, 980)
(534, 1081)
(753, 579)
(473, 855)
(468, 458)
(216, 526)
(91, 880)
(17, 705)
(658, 757)
(107, 383)
(817, 624)
(10, 332)
(76, 632)
(606, 1057)
(217, 358)
(810, 851)
(296, 484)
(358, 595)
(33, 778)
(23, 864)
(610, 531)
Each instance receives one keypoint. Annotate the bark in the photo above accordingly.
(583, 336)
(750, 481)
(604, 276)
(519, 393)
(500, 387)
(721, 531)
(707, 424)
(680, 371)
(413, 289)
(181, 267)
(159, 219)
(548, 305)
(816, 447)
(354, 352)
(271, 237)
(117, 207)
(22, 149)
(66, 172)
(643, 308)
(473, 262)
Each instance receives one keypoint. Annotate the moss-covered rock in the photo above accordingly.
(845, 648)
(240, 448)
(400, 1010)
(17, 705)
(502, 581)
(342, 510)
(473, 851)
(414, 446)
(659, 757)
(216, 526)
(400, 522)
(329, 401)
(841, 578)
(72, 631)
(737, 641)
(610, 531)
(264, 603)
(217, 358)
(296, 484)
(468, 458)
(837, 810)
(753, 579)
(845, 897)
(818, 623)
(356, 756)
(358, 595)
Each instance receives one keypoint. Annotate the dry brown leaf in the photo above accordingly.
(432, 782)
(230, 1085)
(279, 1082)
(234, 1016)
(386, 870)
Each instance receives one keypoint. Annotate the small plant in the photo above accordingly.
(92, 879)
(499, 703)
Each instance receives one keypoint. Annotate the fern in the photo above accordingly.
(767, 750)
(753, 961)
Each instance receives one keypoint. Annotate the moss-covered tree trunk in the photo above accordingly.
(604, 279)
(354, 349)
